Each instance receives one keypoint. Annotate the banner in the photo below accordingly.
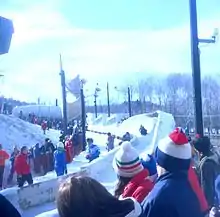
(74, 85)
(74, 110)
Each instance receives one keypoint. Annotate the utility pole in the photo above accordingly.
(63, 85)
(83, 118)
(95, 104)
(196, 74)
(129, 102)
(195, 59)
(108, 101)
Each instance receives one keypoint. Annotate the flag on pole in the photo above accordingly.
(74, 85)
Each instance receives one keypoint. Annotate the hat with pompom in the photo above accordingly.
(126, 162)
(174, 151)
(60, 145)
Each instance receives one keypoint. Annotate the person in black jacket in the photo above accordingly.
(208, 168)
(7, 209)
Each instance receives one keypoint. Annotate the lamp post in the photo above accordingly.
(97, 89)
(128, 98)
(129, 102)
(83, 117)
(63, 85)
(108, 101)
(195, 61)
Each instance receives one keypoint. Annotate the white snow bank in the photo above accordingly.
(14, 131)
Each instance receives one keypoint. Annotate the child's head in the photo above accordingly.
(24, 150)
(89, 141)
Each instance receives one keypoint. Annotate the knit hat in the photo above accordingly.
(60, 145)
(126, 162)
(202, 144)
(174, 152)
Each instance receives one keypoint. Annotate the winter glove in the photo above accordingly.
(65, 171)
(87, 156)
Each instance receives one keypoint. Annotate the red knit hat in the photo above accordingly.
(174, 151)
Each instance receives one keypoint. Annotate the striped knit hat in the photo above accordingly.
(126, 162)
(174, 152)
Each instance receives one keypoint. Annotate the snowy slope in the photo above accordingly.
(157, 127)
(14, 131)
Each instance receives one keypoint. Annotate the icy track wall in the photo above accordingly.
(43, 192)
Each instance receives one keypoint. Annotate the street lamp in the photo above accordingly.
(195, 59)
(97, 89)
(63, 85)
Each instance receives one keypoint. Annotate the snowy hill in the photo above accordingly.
(101, 169)
(14, 131)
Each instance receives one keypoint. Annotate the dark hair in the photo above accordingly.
(120, 186)
(202, 145)
(89, 140)
(85, 197)
(23, 148)
(109, 134)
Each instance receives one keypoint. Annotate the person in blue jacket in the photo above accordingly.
(60, 160)
(172, 195)
(93, 150)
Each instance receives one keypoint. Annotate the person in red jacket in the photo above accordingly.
(69, 150)
(194, 182)
(22, 168)
(133, 179)
(3, 157)
(44, 126)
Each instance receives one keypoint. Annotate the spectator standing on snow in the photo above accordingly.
(110, 142)
(78, 192)
(208, 169)
(44, 127)
(7, 209)
(49, 154)
(44, 161)
(69, 149)
(172, 194)
(3, 157)
(22, 168)
(14, 154)
(37, 158)
(132, 177)
(93, 150)
(194, 181)
(60, 160)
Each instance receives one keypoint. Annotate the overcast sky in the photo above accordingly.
(100, 40)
